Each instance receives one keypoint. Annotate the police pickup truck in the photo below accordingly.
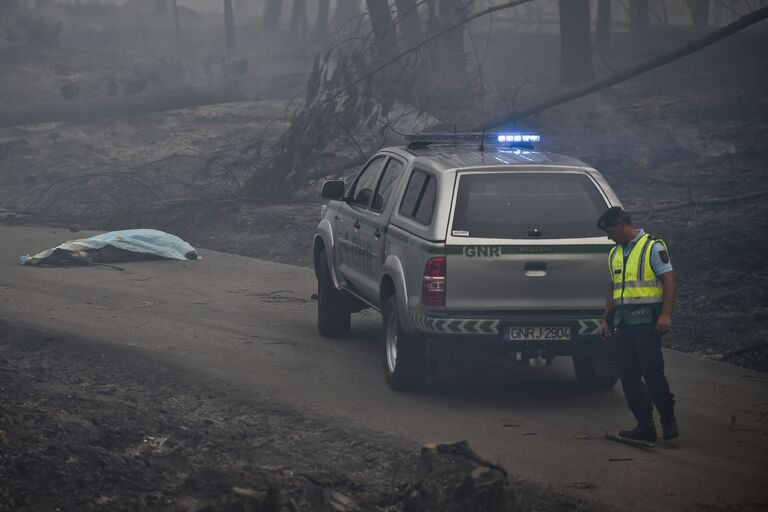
(469, 244)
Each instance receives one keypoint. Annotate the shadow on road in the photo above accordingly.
(485, 380)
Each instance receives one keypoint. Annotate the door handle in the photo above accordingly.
(377, 233)
(357, 224)
(535, 269)
(336, 217)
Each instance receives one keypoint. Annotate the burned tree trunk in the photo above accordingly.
(575, 44)
(176, 27)
(321, 25)
(381, 23)
(700, 14)
(452, 42)
(298, 23)
(409, 24)
(273, 9)
(603, 28)
(638, 15)
(229, 25)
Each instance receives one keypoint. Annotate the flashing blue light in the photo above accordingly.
(518, 137)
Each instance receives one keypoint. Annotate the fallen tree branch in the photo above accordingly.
(693, 46)
(704, 202)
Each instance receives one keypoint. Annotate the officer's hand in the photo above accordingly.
(604, 331)
(664, 324)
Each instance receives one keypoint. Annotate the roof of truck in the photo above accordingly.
(446, 157)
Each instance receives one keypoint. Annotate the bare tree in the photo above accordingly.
(408, 22)
(638, 15)
(452, 42)
(229, 25)
(575, 44)
(176, 19)
(603, 27)
(273, 9)
(298, 23)
(381, 23)
(321, 25)
(700, 13)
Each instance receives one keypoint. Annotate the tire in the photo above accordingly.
(405, 356)
(333, 315)
(585, 367)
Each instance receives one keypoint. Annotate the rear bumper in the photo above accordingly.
(468, 335)
(468, 346)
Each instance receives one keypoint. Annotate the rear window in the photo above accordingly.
(527, 205)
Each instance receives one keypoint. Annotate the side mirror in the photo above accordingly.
(333, 190)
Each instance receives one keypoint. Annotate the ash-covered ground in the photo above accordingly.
(87, 426)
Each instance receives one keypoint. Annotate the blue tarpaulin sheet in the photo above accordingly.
(145, 241)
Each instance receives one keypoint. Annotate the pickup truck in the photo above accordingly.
(469, 244)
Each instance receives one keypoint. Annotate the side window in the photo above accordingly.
(412, 193)
(427, 203)
(362, 190)
(419, 199)
(386, 185)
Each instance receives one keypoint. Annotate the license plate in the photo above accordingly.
(529, 333)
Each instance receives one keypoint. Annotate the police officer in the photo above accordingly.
(638, 311)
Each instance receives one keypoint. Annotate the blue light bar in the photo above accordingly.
(506, 139)
(518, 137)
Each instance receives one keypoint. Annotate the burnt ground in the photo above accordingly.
(85, 426)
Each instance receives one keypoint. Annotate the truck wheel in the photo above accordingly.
(585, 366)
(405, 356)
(333, 316)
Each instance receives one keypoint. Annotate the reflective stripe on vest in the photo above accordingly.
(635, 282)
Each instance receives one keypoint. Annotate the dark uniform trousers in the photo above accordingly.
(641, 364)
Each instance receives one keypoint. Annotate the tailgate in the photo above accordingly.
(527, 240)
(526, 277)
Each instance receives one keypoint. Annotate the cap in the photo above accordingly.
(610, 216)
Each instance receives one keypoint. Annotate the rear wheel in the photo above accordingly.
(405, 356)
(586, 369)
(333, 314)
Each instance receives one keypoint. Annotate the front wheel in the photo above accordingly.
(333, 315)
(585, 367)
(405, 356)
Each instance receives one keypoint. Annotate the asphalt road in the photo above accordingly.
(252, 323)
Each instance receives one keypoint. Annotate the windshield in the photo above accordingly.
(533, 205)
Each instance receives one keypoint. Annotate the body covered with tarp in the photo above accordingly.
(151, 243)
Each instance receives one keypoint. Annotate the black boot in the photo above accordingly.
(669, 427)
(644, 431)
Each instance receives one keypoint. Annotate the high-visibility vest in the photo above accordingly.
(635, 284)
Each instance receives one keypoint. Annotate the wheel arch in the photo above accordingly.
(393, 283)
(323, 242)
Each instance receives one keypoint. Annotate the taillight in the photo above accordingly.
(433, 285)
